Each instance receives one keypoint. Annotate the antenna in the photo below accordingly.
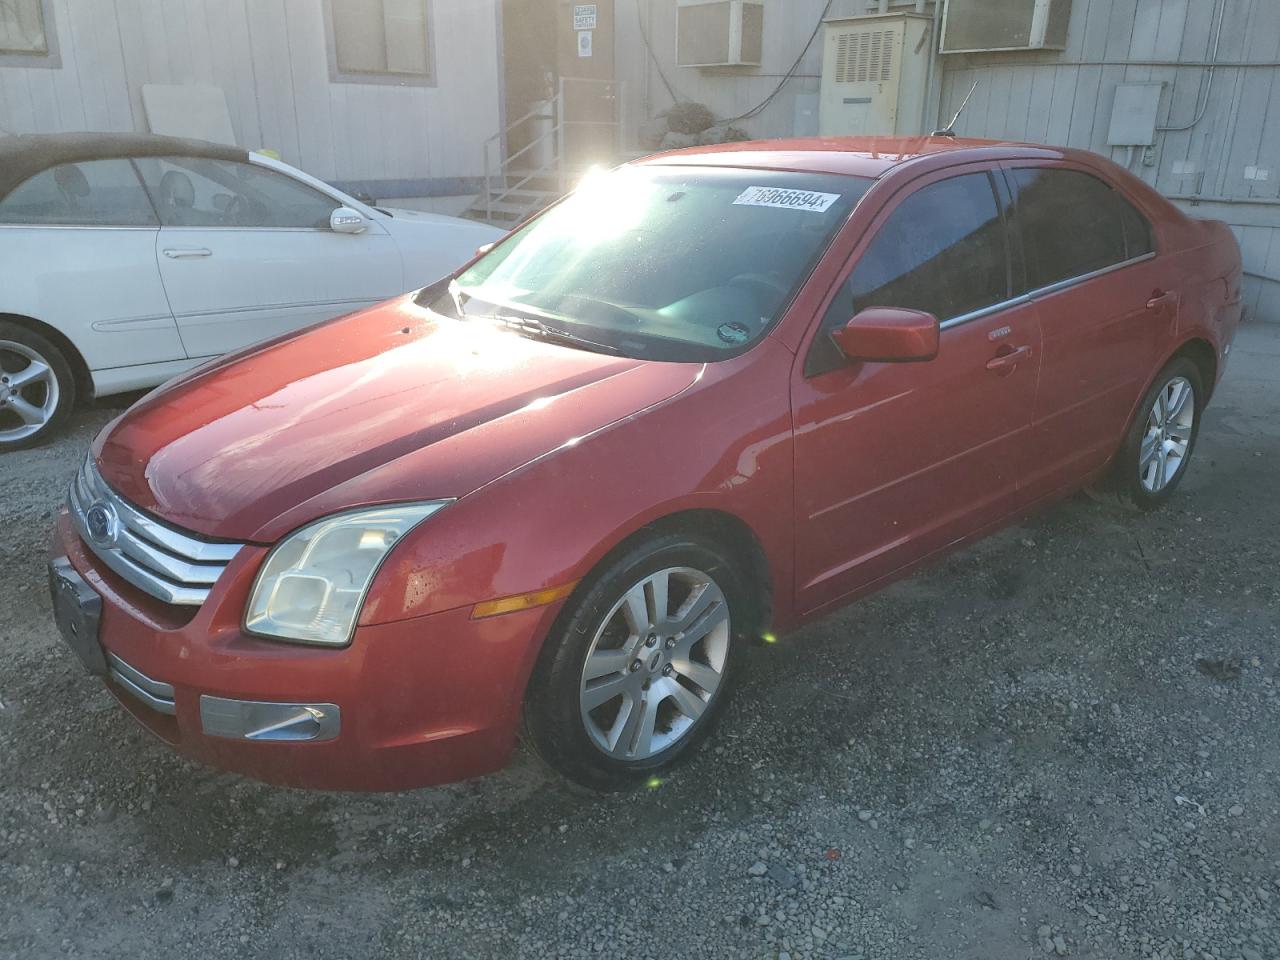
(950, 129)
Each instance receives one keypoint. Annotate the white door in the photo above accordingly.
(77, 251)
(246, 253)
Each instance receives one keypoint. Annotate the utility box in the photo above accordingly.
(984, 26)
(874, 75)
(1133, 114)
(719, 33)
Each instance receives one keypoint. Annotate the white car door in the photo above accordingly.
(77, 251)
(247, 253)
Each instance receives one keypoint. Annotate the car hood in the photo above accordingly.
(418, 221)
(394, 403)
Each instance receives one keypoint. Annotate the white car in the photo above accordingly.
(127, 259)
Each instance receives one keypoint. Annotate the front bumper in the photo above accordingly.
(414, 703)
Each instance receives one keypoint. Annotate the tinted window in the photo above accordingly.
(103, 193)
(197, 192)
(943, 250)
(1073, 223)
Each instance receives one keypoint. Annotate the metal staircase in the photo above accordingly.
(517, 185)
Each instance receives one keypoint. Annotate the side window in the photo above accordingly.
(1072, 224)
(96, 193)
(943, 250)
(199, 192)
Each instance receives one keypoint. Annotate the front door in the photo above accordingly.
(246, 253)
(591, 94)
(896, 461)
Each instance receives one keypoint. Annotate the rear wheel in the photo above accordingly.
(1162, 437)
(642, 665)
(37, 389)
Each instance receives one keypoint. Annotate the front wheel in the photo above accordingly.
(642, 664)
(37, 389)
(1162, 437)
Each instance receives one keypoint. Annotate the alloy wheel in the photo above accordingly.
(29, 391)
(1167, 440)
(655, 663)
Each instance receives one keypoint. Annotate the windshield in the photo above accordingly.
(663, 263)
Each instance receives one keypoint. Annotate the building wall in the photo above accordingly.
(1065, 97)
(270, 58)
(1060, 97)
(734, 91)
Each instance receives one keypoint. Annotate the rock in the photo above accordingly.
(1059, 946)
(690, 118)
(1236, 811)
(758, 869)
(865, 815)
(1076, 869)
(678, 141)
(712, 135)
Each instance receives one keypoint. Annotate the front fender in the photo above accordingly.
(724, 444)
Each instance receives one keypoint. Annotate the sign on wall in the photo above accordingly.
(584, 43)
(584, 16)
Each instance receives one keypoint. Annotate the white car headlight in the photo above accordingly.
(313, 583)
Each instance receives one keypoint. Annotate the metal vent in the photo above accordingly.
(865, 55)
(160, 560)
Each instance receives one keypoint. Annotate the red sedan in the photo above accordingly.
(708, 395)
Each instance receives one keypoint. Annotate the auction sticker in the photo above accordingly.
(786, 199)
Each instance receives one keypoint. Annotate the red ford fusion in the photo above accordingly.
(711, 394)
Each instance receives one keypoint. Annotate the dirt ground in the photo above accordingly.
(1064, 741)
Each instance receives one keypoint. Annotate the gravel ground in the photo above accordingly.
(1062, 742)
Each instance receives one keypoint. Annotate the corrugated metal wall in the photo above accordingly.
(1061, 97)
(1066, 98)
(270, 58)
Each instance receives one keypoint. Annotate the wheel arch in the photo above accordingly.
(1200, 352)
(79, 368)
(719, 526)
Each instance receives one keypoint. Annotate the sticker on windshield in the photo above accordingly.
(786, 199)
(733, 333)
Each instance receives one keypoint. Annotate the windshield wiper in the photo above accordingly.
(529, 326)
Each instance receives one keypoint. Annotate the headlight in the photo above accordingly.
(313, 583)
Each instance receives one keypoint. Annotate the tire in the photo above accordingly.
(610, 731)
(33, 406)
(1157, 441)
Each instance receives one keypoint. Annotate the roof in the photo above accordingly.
(854, 156)
(22, 157)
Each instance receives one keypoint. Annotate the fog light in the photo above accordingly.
(256, 720)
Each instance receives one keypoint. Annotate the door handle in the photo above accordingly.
(1007, 361)
(185, 253)
(1161, 299)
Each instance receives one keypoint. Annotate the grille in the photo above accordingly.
(160, 560)
(863, 56)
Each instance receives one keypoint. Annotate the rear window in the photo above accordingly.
(1072, 224)
(98, 193)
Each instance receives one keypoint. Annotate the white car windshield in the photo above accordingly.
(660, 262)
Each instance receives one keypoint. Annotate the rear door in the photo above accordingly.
(247, 253)
(897, 460)
(1105, 301)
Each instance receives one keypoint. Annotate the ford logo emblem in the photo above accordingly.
(100, 519)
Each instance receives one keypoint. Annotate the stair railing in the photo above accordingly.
(497, 168)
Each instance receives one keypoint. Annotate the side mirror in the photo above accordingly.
(889, 335)
(346, 220)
